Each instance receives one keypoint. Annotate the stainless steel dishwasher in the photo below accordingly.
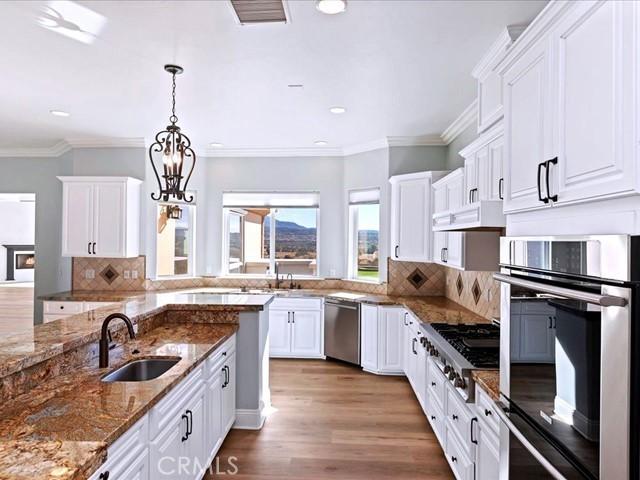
(342, 330)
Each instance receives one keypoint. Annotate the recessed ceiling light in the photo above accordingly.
(337, 110)
(331, 7)
(215, 144)
(320, 142)
(59, 113)
(295, 85)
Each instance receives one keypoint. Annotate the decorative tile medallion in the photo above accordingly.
(459, 284)
(109, 274)
(417, 278)
(475, 290)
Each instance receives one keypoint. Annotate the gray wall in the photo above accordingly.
(322, 174)
(369, 170)
(38, 175)
(416, 159)
(465, 138)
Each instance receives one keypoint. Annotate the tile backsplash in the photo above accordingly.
(108, 273)
(477, 291)
(415, 279)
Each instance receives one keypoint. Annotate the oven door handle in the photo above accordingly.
(594, 298)
(526, 444)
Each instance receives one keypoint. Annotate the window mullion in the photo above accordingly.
(272, 242)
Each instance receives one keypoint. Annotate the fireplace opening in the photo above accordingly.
(25, 261)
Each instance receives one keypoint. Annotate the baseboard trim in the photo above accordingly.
(249, 419)
(382, 372)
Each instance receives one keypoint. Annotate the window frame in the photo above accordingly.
(272, 240)
(352, 229)
(191, 261)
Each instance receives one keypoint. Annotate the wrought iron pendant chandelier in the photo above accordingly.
(174, 148)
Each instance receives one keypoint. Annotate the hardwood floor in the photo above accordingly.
(333, 421)
(16, 308)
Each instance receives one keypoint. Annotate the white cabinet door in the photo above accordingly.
(77, 219)
(109, 219)
(196, 445)
(594, 105)
(527, 123)
(440, 198)
(537, 339)
(454, 254)
(229, 395)
(411, 219)
(487, 453)
(167, 448)
(420, 375)
(439, 246)
(369, 337)
(455, 193)
(405, 342)
(472, 176)
(306, 333)
(492, 169)
(214, 412)
(390, 339)
(279, 332)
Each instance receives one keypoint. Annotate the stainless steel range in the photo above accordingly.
(460, 349)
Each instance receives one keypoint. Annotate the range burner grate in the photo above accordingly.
(478, 343)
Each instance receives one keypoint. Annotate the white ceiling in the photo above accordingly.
(401, 68)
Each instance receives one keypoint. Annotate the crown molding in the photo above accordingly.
(423, 140)
(272, 152)
(67, 144)
(506, 38)
(468, 117)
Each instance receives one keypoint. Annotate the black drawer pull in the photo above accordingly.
(548, 163)
(454, 417)
(433, 384)
(454, 459)
(186, 435)
(104, 476)
(487, 412)
(433, 417)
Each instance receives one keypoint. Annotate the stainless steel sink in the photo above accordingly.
(141, 370)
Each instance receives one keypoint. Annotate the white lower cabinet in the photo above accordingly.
(296, 328)
(381, 339)
(487, 453)
(54, 310)
(180, 436)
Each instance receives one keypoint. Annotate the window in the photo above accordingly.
(265, 231)
(364, 232)
(174, 246)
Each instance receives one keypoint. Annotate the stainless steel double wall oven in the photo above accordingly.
(569, 374)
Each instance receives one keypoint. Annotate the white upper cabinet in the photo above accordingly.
(594, 101)
(490, 106)
(100, 217)
(569, 106)
(411, 210)
(527, 126)
(493, 188)
(448, 194)
(473, 250)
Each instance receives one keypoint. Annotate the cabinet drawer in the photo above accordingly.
(88, 306)
(414, 324)
(459, 418)
(62, 308)
(165, 411)
(457, 457)
(293, 304)
(487, 409)
(436, 383)
(218, 357)
(435, 416)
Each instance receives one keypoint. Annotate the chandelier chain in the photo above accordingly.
(173, 118)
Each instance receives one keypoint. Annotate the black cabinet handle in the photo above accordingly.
(433, 384)
(548, 163)
(501, 189)
(406, 314)
(94, 248)
(487, 412)
(454, 459)
(89, 248)
(433, 417)
(413, 345)
(228, 374)
(293, 317)
(473, 420)
(472, 195)
(104, 476)
(446, 255)
(454, 417)
(540, 198)
(396, 250)
(186, 435)
(189, 423)
(288, 317)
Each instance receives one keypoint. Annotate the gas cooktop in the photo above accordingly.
(479, 344)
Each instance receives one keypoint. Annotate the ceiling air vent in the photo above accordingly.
(259, 11)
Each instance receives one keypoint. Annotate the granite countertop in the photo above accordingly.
(61, 428)
(489, 380)
(25, 348)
